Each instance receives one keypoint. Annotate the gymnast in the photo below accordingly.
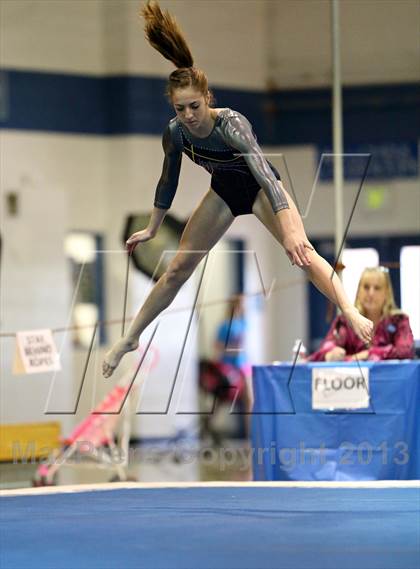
(222, 141)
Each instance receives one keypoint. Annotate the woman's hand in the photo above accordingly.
(296, 247)
(337, 354)
(139, 237)
(361, 356)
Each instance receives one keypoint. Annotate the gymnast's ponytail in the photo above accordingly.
(164, 35)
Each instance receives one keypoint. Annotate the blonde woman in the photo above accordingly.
(222, 141)
(392, 336)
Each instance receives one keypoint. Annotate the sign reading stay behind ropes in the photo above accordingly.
(35, 352)
(340, 388)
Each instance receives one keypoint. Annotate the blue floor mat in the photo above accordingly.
(197, 528)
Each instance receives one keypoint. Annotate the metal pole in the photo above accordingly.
(337, 127)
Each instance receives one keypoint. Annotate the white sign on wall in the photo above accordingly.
(35, 352)
(340, 388)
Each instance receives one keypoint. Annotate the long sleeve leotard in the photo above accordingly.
(231, 154)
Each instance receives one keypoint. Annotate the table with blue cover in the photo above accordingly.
(291, 441)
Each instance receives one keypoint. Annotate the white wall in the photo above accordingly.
(59, 181)
(106, 36)
(35, 295)
(379, 42)
(75, 165)
(49, 35)
(241, 43)
(218, 34)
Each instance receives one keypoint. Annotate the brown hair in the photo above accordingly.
(389, 308)
(164, 35)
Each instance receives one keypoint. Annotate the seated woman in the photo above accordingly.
(392, 337)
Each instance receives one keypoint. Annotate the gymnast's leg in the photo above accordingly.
(206, 226)
(319, 271)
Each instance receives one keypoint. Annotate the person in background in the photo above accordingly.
(230, 339)
(227, 377)
(230, 352)
(392, 335)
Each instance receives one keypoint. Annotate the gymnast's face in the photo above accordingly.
(192, 108)
(373, 293)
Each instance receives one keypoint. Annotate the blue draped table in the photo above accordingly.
(291, 441)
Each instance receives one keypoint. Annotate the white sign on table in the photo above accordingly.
(35, 352)
(340, 388)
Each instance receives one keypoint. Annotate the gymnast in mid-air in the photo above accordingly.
(222, 141)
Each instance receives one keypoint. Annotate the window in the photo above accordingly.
(410, 286)
(355, 261)
(86, 273)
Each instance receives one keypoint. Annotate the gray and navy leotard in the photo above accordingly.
(230, 154)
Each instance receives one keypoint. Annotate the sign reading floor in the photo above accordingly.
(340, 388)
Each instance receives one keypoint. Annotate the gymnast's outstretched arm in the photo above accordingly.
(165, 191)
(168, 182)
(237, 132)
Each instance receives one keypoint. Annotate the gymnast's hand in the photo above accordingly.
(139, 237)
(296, 246)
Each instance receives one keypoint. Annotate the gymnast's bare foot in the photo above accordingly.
(113, 357)
(362, 326)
